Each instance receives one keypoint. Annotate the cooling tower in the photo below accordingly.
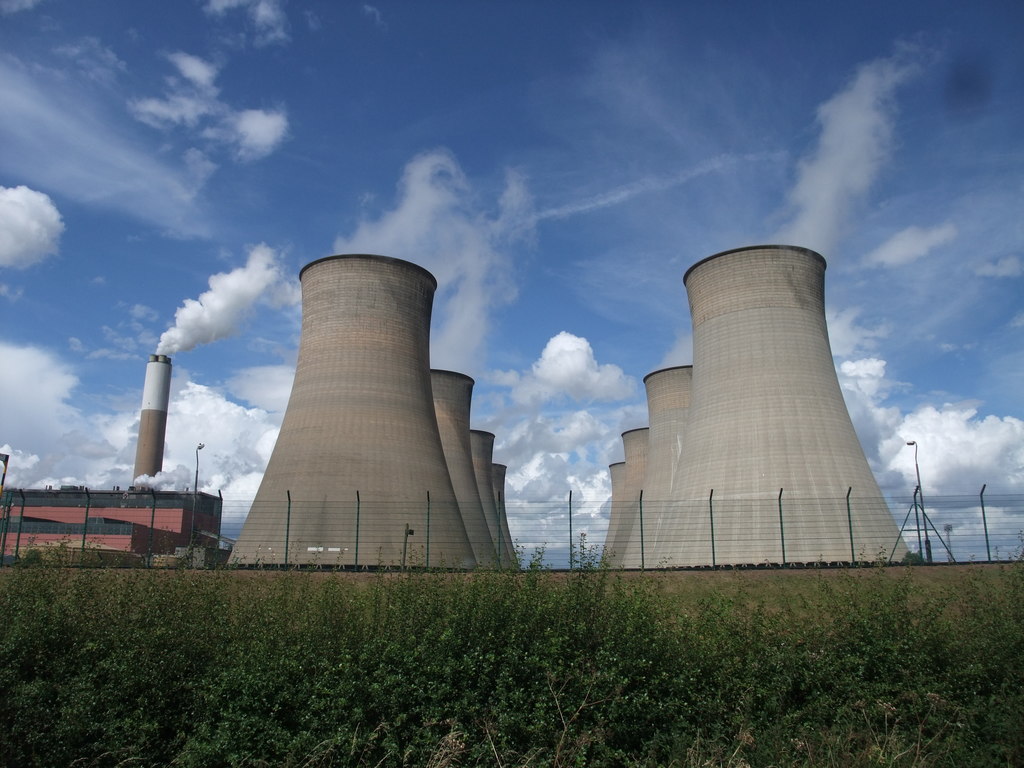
(360, 424)
(482, 444)
(453, 394)
(612, 551)
(156, 391)
(506, 547)
(767, 413)
(668, 402)
(634, 523)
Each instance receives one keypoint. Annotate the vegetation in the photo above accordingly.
(873, 667)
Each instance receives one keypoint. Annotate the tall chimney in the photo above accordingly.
(156, 392)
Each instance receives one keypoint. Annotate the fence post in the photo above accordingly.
(643, 565)
(571, 545)
(5, 510)
(287, 526)
(428, 532)
(782, 530)
(21, 520)
(85, 528)
(984, 523)
(849, 522)
(355, 562)
(152, 526)
(711, 514)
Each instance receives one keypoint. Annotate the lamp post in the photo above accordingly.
(920, 495)
(195, 500)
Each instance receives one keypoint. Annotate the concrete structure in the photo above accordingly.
(482, 446)
(156, 391)
(358, 475)
(668, 403)
(632, 527)
(508, 550)
(612, 547)
(114, 526)
(453, 394)
(768, 428)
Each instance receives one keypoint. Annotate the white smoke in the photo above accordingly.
(219, 312)
(855, 140)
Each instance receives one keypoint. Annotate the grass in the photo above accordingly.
(874, 667)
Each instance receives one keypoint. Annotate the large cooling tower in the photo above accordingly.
(453, 394)
(634, 523)
(768, 436)
(149, 453)
(360, 420)
(482, 445)
(506, 545)
(668, 402)
(612, 551)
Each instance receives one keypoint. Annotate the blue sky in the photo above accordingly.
(167, 169)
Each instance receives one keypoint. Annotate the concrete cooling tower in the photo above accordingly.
(768, 436)
(482, 444)
(668, 403)
(508, 550)
(612, 550)
(453, 394)
(635, 447)
(156, 391)
(359, 449)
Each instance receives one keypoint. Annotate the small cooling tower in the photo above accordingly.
(360, 420)
(767, 413)
(616, 513)
(668, 402)
(453, 394)
(506, 546)
(634, 523)
(482, 445)
(156, 391)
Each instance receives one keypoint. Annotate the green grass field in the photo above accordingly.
(870, 667)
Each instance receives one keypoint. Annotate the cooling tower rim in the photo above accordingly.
(617, 464)
(798, 248)
(663, 370)
(370, 257)
(499, 466)
(637, 429)
(482, 432)
(453, 373)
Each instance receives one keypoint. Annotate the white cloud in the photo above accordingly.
(97, 62)
(220, 311)
(8, 7)
(373, 13)
(30, 227)
(855, 139)
(37, 388)
(846, 337)
(266, 386)
(1007, 266)
(567, 368)
(909, 245)
(257, 133)
(438, 223)
(267, 17)
(192, 100)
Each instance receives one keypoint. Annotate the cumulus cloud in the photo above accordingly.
(192, 100)
(909, 245)
(220, 311)
(855, 138)
(30, 227)
(439, 223)
(567, 368)
(266, 17)
(1007, 266)
(264, 386)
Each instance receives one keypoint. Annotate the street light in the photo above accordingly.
(195, 499)
(920, 495)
